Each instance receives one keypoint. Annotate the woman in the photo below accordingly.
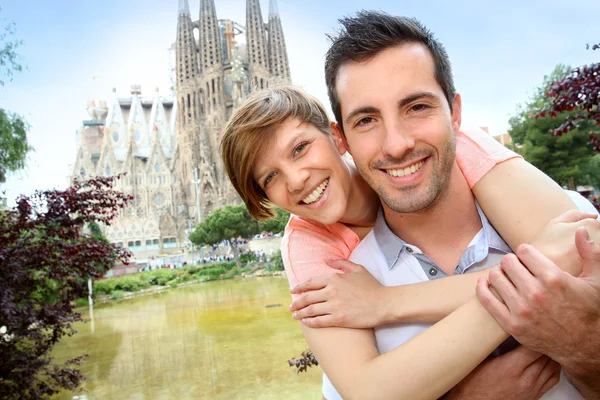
(279, 142)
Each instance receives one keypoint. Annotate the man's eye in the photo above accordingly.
(419, 107)
(364, 121)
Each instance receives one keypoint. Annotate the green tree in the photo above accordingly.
(226, 223)
(564, 158)
(276, 224)
(593, 171)
(13, 128)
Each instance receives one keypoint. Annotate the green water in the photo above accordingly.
(215, 340)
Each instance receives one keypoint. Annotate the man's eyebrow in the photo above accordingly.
(416, 96)
(360, 110)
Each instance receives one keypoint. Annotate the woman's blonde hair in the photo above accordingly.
(252, 125)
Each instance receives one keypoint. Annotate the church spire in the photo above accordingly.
(278, 59)
(273, 9)
(184, 7)
(187, 59)
(210, 37)
(258, 63)
(186, 64)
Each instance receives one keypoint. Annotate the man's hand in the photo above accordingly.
(521, 374)
(354, 299)
(550, 311)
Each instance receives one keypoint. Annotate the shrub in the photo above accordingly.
(117, 295)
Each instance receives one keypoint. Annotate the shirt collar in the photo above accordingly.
(392, 246)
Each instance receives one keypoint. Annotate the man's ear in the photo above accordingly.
(456, 113)
(339, 139)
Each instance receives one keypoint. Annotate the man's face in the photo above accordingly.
(398, 126)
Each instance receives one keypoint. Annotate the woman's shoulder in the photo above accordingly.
(313, 231)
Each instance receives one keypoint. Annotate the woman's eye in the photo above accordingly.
(268, 179)
(300, 148)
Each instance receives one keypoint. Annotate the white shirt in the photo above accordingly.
(393, 262)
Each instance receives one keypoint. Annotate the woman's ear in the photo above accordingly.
(339, 139)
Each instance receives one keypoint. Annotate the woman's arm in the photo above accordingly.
(425, 367)
(519, 201)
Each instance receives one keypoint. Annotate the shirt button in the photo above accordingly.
(409, 249)
(433, 271)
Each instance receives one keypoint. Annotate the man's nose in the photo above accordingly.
(397, 140)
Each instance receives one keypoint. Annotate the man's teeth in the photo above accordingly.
(406, 171)
(316, 195)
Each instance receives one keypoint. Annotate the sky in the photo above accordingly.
(75, 51)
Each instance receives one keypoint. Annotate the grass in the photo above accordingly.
(115, 288)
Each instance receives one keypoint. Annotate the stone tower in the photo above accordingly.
(256, 38)
(278, 59)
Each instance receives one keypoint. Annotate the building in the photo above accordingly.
(168, 145)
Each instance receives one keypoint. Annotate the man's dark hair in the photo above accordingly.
(370, 32)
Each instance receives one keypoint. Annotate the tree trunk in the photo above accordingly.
(236, 254)
(572, 184)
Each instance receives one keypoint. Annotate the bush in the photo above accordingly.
(231, 273)
(105, 286)
(117, 295)
(277, 261)
(159, 277)
(81, 302)
(212, 273)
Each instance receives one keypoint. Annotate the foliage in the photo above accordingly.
(277, 261)
(226, 223)
(13, 143)
(578, 94)
(593, 171)
(9, 58)
(563, 158)
(276, 224)
(306, 360)
(44, 258)
(165, 277)
(13, 128)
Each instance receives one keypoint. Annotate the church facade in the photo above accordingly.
(168, 146)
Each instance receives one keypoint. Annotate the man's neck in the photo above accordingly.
(363, 203)
(444, 230)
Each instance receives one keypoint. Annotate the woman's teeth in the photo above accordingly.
(406, 171)
(316, 194)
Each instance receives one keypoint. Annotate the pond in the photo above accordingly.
(216, 340)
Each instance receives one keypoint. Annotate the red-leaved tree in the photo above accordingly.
(579, 91)
(45, 260)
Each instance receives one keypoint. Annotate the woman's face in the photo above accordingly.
(302, 171)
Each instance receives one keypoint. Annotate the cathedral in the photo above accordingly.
(169, 146)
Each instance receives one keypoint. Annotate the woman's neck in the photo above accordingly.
(363, 202)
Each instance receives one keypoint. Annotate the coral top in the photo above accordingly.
(307, 244)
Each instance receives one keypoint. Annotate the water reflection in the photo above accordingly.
(217, 340)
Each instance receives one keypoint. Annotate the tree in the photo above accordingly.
(226, 223)
(593, 171)
(276, 224)
(564, 158)
(45, 259)
(578, 93)
(13, 128)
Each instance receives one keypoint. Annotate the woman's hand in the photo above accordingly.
(352, 299)
(557, 239)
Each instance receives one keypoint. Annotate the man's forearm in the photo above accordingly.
(585, 376)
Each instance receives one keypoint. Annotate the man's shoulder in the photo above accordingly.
(368, 253)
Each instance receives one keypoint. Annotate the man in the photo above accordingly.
(390, 86)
